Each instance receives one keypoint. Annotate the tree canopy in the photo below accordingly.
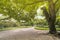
(13, 8)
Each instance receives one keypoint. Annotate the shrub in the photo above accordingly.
(7, 24)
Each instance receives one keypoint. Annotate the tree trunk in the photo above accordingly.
(52, 17)
(52, 28)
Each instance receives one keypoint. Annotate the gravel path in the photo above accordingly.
(26, 34)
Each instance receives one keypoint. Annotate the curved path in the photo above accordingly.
(26, 34)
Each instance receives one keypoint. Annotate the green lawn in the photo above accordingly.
(38, 28)
(43, 28)
(13, 28)
(8, 28)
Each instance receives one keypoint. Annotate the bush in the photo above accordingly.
(7, 24)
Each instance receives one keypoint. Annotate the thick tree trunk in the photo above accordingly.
(51, 20)
(52, 17)
(52, 28)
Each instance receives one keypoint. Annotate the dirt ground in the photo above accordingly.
(26, 34)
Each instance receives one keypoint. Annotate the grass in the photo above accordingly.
(8, 28)
(45, 28)
(13, 28)
(38, 28)
(41, 28)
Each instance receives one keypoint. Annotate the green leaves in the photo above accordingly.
(18, 8)
(57, 6)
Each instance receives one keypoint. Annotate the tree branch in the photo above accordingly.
(36, 2)
(56, 1)
(57, 10)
